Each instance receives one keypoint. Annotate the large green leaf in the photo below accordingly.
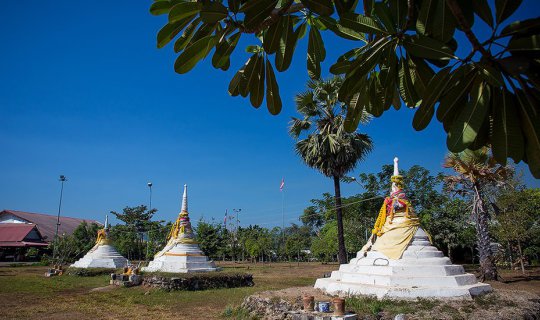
(375, 97)
(256, 11)
(467, 125)
(169, 31)
(434, 90)
(530, 118)
(224, 50)
(341, 31)
(361, 24)
(525, 45)
(256, 83)
(238, 82)
(492, 75)
(406, 85)
(160, 7)
(383, 13)
(184, 10)
(529, 26)
(482, 9)
(287, 44)
(507, 138)
(212, 12)
(315, 53)
(398, 9)
(450, 103)
(192, 54)
(443, 22)
(505, 8)
(425, 47)
(423, 71)
(249, 75)
(424, 22)
(321, 7)
(388, 76)
(186, 36)
(234, 5)
(272, 36)
(355, 107)
(273, 100)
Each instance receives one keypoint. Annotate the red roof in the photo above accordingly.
(14, 234)
(46, 224)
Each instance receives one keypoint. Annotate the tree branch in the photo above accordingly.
(462, 22)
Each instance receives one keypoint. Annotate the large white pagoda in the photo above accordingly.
(181, 254)
(102, 255)
(399, 260)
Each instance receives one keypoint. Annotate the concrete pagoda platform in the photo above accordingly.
(422, 272)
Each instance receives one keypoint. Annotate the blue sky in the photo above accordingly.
(84, 92)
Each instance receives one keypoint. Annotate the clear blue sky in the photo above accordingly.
(84, 92)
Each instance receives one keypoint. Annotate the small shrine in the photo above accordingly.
(399, 260)
(181, 254)
(103, 254)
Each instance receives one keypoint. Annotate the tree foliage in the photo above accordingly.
(407, 53)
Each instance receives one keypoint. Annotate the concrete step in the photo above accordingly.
(405, 270)
(420, 254)
(400, 280)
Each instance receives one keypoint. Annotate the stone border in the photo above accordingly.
(197, 281)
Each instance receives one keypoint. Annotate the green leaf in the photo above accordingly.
(224, 50)
(426, 14)
(272, 36)
(467, 125)
(434, 89)
(256, 11)
(186, 36)
(321, 7)
(316, 53)
(273, 100)
(525, 45)
(212, 12)
(505, 8)
(398, 9)
(522, 27)
(234, 5)
(482, 9)
(530, 118)
(169, 31)
(406, 87)
(355, 107)
(424, 47)
(388, 76)
(361, 24)
(346, 33)
(248, 75)
(239, 80)
(451, 101)
(383, 13)
(192, 54)
(340, 67)
(184, 10)
(287, 44)
(375, 97)
(491, 75)
(444, 23)
(160, 7)
(507, 138)
(256, 84)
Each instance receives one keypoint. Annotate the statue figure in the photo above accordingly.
(396, 223)
(102, 235)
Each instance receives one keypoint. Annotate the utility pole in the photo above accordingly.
(149, 184)
(237, 212)
(62, 179)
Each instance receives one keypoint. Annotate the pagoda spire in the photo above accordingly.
(184, 200)
(396, 170)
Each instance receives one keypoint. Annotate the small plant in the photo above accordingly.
(238, 313)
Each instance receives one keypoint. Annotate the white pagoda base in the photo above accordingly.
(181, 258)
(104, 256)
(422, 272)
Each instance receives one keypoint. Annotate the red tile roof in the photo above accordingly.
(14, 234)
(46, 224)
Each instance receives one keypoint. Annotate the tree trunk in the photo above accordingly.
(521, 257)
(488, 269)
(342, 256)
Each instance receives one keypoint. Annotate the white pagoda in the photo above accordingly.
(102, 255)
(181, 254)
(399, 260)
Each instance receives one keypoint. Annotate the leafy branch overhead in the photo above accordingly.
(407, 54)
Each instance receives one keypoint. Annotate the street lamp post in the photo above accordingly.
(62, 179)
(149, 184)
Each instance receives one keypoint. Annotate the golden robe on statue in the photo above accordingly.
(395, 225)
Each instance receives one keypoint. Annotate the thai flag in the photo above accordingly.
(282, 184)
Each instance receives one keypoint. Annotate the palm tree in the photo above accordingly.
(477, 175)
(323, 143)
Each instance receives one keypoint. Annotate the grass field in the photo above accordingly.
(26, 294)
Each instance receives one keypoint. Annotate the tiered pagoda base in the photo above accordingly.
(422, 272)
(104, 256)
(181, 258)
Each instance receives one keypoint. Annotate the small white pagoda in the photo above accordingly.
(399, 261)
(181, 254)
(102, 255)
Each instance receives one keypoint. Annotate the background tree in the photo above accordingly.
(404, 52)
(323, 143)
(209, 235)
(476, 171)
